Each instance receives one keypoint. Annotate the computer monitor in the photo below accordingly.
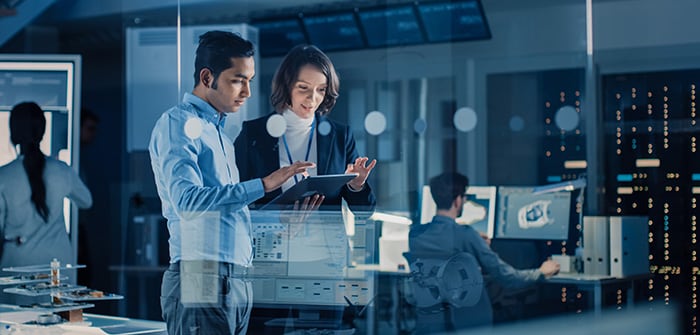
(278, 36)
(390, 26)
(478, 212)
(521, 214)
(309, 263)
(332, 32)
(446, 21)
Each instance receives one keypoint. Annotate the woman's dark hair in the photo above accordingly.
(288, 73)
(446, 187)
(27, 125)
(215, 50)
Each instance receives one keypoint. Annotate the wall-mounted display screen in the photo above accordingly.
(375, 27)
(334, 31)
(454, 21)
(391, 26)
(277, 37)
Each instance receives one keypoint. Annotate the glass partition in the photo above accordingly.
(506, 109)
(597, 97)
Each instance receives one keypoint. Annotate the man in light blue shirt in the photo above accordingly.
(193, 162)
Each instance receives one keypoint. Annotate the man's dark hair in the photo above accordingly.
(446, 187)
(215, 50)
(288, 73)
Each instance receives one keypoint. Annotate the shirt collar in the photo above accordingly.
(443, 219)
(205, 110)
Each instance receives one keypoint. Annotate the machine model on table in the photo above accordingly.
(66, 301)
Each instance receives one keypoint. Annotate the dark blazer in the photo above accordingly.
(257, 155)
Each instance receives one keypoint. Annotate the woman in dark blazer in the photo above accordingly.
(304, 90)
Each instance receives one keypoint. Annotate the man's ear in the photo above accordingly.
(456, 202)
(205, 77)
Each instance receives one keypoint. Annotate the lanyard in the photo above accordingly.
(308, 147)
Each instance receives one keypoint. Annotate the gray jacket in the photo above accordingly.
(444, 236)
(41, 241)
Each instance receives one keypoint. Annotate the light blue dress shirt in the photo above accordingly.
(195, 170)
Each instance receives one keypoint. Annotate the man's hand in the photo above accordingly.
(275, 179)
(549, 268)
(362, 169)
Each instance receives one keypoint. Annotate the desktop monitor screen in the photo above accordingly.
(334, 31)
(390, 26)
(454, 20)
(478, 212)
(309, 262)
(277, 37)
(523, 215)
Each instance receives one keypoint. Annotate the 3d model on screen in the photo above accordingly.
(535, 215)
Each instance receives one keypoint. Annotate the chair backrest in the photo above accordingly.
(456, 280)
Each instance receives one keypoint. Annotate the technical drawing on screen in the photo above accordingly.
(310, 261)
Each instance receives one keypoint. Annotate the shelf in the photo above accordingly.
(41, 268)
(57, 307)
(42, 289)
(87, 295)
(26, 279)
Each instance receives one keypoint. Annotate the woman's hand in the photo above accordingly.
(296, 218)
(362, 169)
(309, 204)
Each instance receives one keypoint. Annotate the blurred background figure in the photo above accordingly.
(32, 189)
(89, 122)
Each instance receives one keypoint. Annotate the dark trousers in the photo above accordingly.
(207, 299)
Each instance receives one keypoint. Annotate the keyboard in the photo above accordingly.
(580, 276)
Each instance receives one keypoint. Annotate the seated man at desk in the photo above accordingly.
(443, 237)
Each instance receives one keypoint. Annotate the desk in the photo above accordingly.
(381, 311)
(92, 324)
(595, 283)
(381, 269)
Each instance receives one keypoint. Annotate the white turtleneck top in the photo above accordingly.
(297, 136)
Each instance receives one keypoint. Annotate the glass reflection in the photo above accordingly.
(510, 84)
